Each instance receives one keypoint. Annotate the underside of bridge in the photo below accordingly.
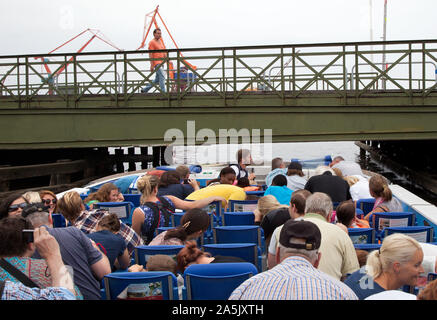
(208, 119)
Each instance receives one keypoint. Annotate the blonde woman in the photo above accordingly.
(155, 211)
(397, 263)
(265, 205)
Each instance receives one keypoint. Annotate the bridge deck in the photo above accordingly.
(310, 92)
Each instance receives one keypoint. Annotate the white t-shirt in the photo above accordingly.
(392, 295)
(360, 190)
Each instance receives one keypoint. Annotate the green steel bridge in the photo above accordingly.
(303, 92)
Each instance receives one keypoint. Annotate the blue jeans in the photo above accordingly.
(160, 77)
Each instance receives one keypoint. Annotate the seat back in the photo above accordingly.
(152, 285)
(359, 213)
(238, 234)
(122, 209)
(362, 235)
(134, 198)
(366, 204)
(367, 246)
(259, 193)
(242, 205)
(142, 253)
(431, 276)
(381, 220)
(215, 281)
(58, 220)
(238, 218)
(249, 252)
(420, 233)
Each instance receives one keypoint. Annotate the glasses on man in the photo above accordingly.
(15, 207)
(48, 201)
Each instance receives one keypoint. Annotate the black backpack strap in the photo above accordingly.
(166, 204)
(2, 288)
(17, 274)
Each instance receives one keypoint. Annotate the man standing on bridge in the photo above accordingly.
(156, 44)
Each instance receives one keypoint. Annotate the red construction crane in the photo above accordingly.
(147, 27)
(95, 34)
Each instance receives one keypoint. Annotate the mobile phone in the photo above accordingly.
(28, 235)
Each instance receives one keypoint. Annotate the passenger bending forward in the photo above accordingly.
(296, 277)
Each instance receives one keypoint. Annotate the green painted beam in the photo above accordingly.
(311, 117)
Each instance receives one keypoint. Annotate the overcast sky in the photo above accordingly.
(39, 26)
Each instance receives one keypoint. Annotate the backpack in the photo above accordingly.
(163, 207)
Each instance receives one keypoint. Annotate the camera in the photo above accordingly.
(28, 235)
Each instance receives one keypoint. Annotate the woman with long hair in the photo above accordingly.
(106, 193)
(193, 224)
(191, 254)
(384, 200)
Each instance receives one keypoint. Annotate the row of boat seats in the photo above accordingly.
(163, 285)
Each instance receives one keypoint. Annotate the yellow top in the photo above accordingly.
(227, 191)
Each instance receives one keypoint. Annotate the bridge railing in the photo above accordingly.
(284, 71)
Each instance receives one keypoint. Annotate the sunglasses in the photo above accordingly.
(47, 201)
(15, 207)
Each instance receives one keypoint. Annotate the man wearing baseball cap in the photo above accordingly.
(296, 276)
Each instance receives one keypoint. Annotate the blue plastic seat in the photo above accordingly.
(259, 193)
(142, 253)
(242, 205)
(215, 281)
(58, 220)
(420, 233)
(367, 246)
(366, 204)
(123, 209)
(162, 285)
(381, 220)
(238, 218)
(249, 252)
(359, 213)
(362, 235)
(207, 236)
(431, 276)
(240, 234)
(134, 198)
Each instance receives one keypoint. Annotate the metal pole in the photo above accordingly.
(371, 28)
(384, 37)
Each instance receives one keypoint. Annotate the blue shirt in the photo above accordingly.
(282, 194)
(362, 284)
(180, 191)
(111, 244)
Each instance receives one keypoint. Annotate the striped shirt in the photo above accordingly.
(87, 221)
(293, 279)
(18, 291)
